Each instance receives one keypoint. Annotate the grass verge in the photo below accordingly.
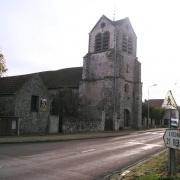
(155, 168)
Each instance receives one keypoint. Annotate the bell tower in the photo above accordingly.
(110, 90)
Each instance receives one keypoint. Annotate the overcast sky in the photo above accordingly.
(41, 35)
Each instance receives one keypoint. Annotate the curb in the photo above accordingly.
(125, 171)
(10, 141)
(42, 139)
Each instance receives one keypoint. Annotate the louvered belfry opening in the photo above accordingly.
(102, 41)
(127, 44)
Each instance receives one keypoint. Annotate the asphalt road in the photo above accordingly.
(78, 159)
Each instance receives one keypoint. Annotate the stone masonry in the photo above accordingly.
(111, 88)
(32, 122)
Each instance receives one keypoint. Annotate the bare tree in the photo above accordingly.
(3, 68)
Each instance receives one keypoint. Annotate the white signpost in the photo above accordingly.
(172, 138)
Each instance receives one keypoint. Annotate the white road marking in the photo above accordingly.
(150, 146)
(146, 145)
(89, 150)
(125, 172)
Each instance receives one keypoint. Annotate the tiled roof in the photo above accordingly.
(69, 77)
(157, 103)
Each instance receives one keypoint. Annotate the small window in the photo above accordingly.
(126, 88)
(103, 25)
(127, 68)
(34, 103)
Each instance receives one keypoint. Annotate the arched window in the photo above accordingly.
(105, 40)
(102, 41)
(98, 42)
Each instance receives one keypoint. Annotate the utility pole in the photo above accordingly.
(148, 104)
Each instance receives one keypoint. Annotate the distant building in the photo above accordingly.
(159, 104)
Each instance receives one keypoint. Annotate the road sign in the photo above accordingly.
(174, 122)
(169, 101)
(172, 138)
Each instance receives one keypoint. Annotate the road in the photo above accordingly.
(78, 159)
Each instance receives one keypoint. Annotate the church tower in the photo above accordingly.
(111, 88)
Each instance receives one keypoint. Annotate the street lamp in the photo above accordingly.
(148, 103)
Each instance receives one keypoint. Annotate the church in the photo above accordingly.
(111, 88)
(105, 94)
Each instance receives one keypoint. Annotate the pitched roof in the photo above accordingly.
(157, 103)
(69, 77)
(10, 85)
(118, 22)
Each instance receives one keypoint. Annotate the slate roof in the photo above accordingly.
(118, 22)
(10, 85)
(157, 103)
(69, 77)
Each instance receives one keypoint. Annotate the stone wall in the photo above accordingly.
(7, 104)
(32, 122)
(72, 124)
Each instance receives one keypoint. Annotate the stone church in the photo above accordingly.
(104, 94)
(111, 88)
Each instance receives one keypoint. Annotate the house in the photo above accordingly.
(22, 97)
(24, 105)
(156, 104)
(160, 104)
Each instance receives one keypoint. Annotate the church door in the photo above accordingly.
(126, 118)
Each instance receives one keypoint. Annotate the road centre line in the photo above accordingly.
(89, 150)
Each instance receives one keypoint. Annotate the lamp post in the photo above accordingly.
(148, 103)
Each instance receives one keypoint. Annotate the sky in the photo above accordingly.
(42, 35)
